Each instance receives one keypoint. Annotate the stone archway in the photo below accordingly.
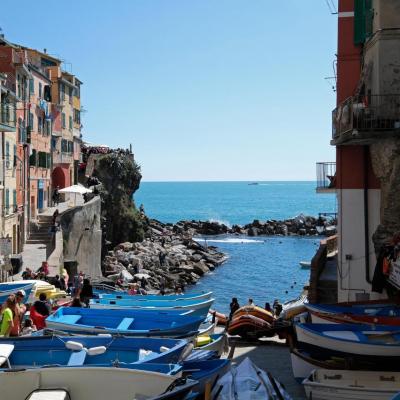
(58, 178)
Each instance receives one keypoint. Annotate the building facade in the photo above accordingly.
(366, 127)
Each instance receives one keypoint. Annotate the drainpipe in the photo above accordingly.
(366, 215)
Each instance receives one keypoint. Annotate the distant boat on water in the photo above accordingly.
(305, 264)
(253, 183)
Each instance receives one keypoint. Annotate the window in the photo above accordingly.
(15, 200)
(62, 92)
(31, 121)
(20, 131)
(71, 92)
(40, 89)
(32, 158)
(7, 201)
(70, 147)
(64, 145)
(70, 123)
(31, 87)
(7, 155)
(48, 160)
(40, 124)
(77, 116)
(15, 156)
(47, 127)
(43, 160)
(63, 120)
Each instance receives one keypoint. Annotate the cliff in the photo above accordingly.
(120, 177)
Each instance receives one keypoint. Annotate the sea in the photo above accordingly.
(263, 268)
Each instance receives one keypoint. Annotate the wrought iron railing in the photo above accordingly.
(370, 113)
(326, 175)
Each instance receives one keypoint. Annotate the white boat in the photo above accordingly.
(248, 382)
(325, 384)
(89, 383)
(305, 264)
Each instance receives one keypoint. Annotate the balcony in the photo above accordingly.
(62, 158)
(7, 117)
(357, 121)
(326, 177)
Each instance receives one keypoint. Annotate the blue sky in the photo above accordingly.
(203, 89)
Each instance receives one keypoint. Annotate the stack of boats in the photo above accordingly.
(348, 351)
(122, 347)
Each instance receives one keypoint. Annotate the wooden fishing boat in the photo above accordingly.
(216, 342)
(88, 383)
(168, 297)
(256, 312)
(325, 384)
(246, 379)
(181, 389)
(249, 326)
(28, 352)
(382, 314)
(126, 322)
(9, 288)
(199, 307)
(305, 264)
(378, 344)
(292, 308)
(205, 371)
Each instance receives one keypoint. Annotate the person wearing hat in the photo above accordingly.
(19, 312)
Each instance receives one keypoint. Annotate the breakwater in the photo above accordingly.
(170, 256)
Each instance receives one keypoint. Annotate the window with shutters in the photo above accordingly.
(8, 155)
(363, 20)
(40, 89)
(32, 158)
(31, 87)
(15, 205)
(40, 124)
(63, 120)
(70, 123)
(31, 121)
(7, 202)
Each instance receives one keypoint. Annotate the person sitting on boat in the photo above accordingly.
(234, 306)
(29, 327)
(178, 290)
(277, 307)
(133, 289)
(86, 292)
(7, 314)
(268, 307)
(251, 302)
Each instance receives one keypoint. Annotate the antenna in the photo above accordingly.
(332, 7)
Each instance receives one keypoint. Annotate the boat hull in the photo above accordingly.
(351, 385)
(87, 383)
(248, 326)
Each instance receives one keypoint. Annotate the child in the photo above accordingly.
(28, 328)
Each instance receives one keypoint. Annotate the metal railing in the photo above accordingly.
(62, 158)
(371, 113)
(326, 175)
(7, 116)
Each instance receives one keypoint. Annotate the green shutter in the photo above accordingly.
(363, 19)
(32, 158)
(48, 161)
(7, 200)
(14, 198)
(31, 87)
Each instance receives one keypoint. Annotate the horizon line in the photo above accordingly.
(227, 180)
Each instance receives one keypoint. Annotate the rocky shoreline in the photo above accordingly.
(169, 256)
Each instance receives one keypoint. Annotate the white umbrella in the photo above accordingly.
(75, 189)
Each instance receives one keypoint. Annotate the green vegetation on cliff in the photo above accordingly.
(120, 177)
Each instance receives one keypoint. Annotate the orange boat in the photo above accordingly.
(250, 326)
(256, 312)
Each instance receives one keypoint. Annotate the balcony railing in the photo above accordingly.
(7, 117)
(326, 177)
(63, 158)
(372, 114)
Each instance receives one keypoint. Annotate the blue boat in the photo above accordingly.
(124, 322)
(168, 297)
(8, 288)
(205, 371)
(199, 307)
(377, 346)
(90, 350)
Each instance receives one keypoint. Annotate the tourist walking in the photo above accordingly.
(56, 196)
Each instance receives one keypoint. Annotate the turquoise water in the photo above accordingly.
(263, 268)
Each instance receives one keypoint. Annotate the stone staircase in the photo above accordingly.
(40, 230)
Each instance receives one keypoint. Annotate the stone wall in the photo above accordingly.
(82, 237)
